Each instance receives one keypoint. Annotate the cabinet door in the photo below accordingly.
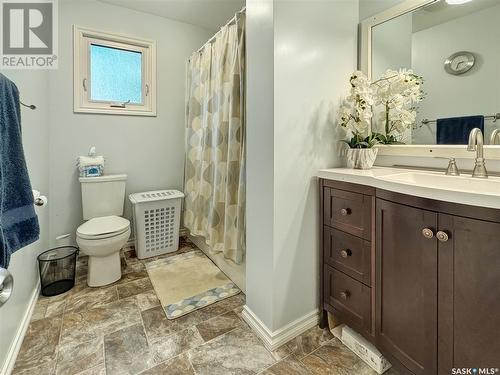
(469, 294)
(406, 286)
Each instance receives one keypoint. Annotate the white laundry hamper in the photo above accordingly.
(157, 216)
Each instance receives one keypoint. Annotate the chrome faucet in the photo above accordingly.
(476, 142)
(494, 136)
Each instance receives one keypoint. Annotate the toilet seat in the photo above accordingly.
(103, 227)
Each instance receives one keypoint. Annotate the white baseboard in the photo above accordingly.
(273, 340)
(10, 361)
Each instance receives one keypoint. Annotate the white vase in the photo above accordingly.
(360, 158)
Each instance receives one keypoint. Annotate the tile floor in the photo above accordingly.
(122, 329)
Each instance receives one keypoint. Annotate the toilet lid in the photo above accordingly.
(102, 227)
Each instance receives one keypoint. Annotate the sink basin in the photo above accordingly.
(490, 186)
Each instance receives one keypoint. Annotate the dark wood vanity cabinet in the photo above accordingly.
(424, 287)
(406, 286)
(469, 294)
(347, 253)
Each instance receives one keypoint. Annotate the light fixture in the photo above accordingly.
(457, 2)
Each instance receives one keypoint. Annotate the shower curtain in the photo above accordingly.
(215, 143)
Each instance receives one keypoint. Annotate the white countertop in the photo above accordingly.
(457, 192)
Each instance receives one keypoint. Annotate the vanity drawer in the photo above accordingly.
(348, 211)
(347, 298)
(348, 253)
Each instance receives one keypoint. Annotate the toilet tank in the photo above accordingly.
(103, 196)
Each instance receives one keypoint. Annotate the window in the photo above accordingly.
(113, 74)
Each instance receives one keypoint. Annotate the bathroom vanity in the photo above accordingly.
(411, 260)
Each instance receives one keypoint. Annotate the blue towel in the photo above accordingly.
(455, 130)
(18, 221)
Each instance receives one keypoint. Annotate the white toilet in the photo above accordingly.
(105, 232)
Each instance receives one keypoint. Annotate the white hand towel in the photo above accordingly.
(86, 161)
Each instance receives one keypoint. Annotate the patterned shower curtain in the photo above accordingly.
(215, 143)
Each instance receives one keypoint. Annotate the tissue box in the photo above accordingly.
(365, 350)
(90, 170)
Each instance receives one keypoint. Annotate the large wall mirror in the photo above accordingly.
(453, 45)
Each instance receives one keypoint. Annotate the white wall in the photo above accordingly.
(23, 266)
(149, 149)
(391, 45)
(314, 54)
(473, 93)
(368, 8)
(259, 159)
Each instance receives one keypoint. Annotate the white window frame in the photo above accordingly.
(82, 39)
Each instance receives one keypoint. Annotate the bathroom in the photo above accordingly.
(301, 300)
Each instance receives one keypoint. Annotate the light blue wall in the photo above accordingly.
(368, 8)
(23, 266)
(149, 149)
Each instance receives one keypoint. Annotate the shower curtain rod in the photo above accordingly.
(234, 19)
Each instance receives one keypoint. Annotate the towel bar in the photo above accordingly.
(30, 106)
(494, 117)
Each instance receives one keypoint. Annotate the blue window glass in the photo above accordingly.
(115, 75)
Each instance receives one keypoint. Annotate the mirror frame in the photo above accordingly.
(365, 65)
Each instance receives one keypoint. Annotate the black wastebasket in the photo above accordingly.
(57, 270)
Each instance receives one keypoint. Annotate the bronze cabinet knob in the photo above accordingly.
(345, 253)
(427, 233)
(442, 236)
(345, 294)
(345, 211)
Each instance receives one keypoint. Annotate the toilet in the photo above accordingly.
(105, 232)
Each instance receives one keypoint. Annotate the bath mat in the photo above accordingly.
(187, 282)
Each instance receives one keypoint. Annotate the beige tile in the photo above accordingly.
(98, 370)
(55, 308)
(146, 300)
(179, 365)
(219, 325)
(81, 270)
(93, 323)
(221, 307)
(127, 351)
(40, 309)
(175, 344)
(308, 341)
(133, 267)
(90, 298)
(76, 358)
(47, 368)
(333, 358)
(39, 348)
(288, 366)
(157, 325)
(236, 352)
(134, 287)
(281, 353)
(133, 276)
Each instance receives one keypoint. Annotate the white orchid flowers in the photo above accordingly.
(396, 92)
(355, 113)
